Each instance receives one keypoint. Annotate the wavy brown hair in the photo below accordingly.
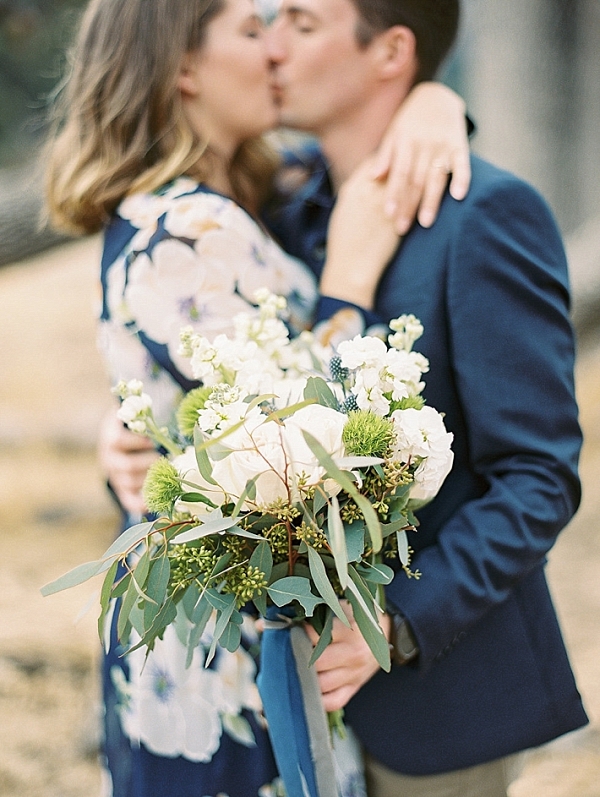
(120, 126)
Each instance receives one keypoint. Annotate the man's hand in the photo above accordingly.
(425, 142)
(125, 458)
(347, 663)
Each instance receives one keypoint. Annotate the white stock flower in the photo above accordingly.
(407, 329)
(363, 352)
(219, 415)
(403, 372)
(134, 411)
(369, 391)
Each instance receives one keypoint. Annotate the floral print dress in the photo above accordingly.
(185, 255)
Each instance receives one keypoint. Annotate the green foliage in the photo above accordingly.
(162, 487)
(368, 435)
(187, 412)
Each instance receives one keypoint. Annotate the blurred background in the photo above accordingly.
(530, 72)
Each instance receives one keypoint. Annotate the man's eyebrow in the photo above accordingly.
(297, 10)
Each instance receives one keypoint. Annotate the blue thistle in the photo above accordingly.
(338, 373)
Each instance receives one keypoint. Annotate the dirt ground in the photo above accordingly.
(54, 514)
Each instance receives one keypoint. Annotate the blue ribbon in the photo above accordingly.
(293, 708)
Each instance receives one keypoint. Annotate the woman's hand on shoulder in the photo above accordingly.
(426, 142)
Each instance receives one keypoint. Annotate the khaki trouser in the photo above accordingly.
(485, 780)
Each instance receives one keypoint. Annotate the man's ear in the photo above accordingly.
(188, 80)
(396, 52)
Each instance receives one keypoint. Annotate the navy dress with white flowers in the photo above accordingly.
(185, 255)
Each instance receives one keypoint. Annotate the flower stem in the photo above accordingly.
(336, 723)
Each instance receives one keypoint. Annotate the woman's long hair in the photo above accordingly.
(120, 125)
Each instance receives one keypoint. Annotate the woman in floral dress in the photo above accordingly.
(160, 147)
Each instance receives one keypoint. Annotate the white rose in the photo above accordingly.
(255, 451)
(323, 423)
(187, 467)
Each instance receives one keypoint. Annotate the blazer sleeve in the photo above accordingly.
(511, 355)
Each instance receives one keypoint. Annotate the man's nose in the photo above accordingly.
(274, 44)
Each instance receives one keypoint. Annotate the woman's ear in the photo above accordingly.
(396, 52)
(188, 81)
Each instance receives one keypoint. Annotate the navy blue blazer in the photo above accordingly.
(489, 283)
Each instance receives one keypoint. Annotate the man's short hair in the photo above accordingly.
(433, 22)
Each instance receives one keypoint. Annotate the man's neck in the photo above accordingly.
(346, 144)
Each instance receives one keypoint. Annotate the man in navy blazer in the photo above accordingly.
(481, 670)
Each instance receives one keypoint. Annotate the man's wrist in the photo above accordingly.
(403, 645)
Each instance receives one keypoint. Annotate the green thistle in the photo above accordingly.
(408, 403)
(187, 412)
(162, 486)
(367, 435)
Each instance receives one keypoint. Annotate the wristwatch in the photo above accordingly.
(403, 645)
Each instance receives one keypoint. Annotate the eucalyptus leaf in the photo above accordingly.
(231, 637)
(403, 553)
(202, 614)
(285, 412)
(376, 573)
(78, 575)
(136, 618)
(190, 598)
(129, 539)
(278, 572)
(262, 558)
(127, 604)
(213, 526)
(319, 501)
(105, 594)
(249, 491)
(164, 618)
(294, 588)
(346, 482)
(224, 603)
(355, 540)
(323, 585)
(324, 638)
(318, 389)
(156, 589)
(202, 458)
(197, 498)
(120, 587)
(181, 625)
(391, 528)
(372, 632)
(337, 541)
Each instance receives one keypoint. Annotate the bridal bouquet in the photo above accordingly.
(290, 479)
(288, 482)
